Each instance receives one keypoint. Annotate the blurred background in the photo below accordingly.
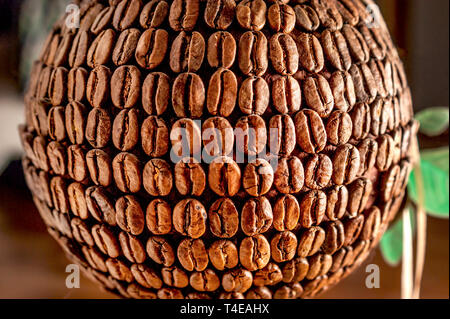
(31, 263)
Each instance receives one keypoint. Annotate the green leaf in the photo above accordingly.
(433, 121)
(435, 171)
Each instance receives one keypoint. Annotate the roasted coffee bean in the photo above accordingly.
(365, 86)
(40, 155)
(319, 264)
(184, 14)
(170, 293)
(318, 95)
(157, 177)
(155, 137)
(224, 176)
(192, 254)
(119, 270)
(79, 50)
(127, 172)
(159, 217)
(190, 178)
(268, 276)
(256, 216)
(368, 150)
(186, 138)
(76, 163)
(339, 128)
(281, 18)
(349, 11)
(231, 295)
(310, 52)
(100, 205)
(132, 248)
(137, 292)
(312, 208)
(146, 276)
(106, 240)
(160, 251)
(310, 242)
(374, 41)
(99, 52)
(405, 171)
(154, 14)
(389, 183)
(75, 122)
(295, 270)
(98, 128)
(293, 291)
(343, 257)
(44, 82)
(284, 54)
(306, 17)
(125, 130)
(218, 136)
(77, 201)
(252, 54)
(337, 200)
(125, 46)
(283, 246)
(222, 92)
(58, 85)
(129, 215)
(94, 258)
(377, 69)
(251, 14)
(254, 96)
(223, 254)
(254, 252)
(258, 177)
(251, 135)
(259, 293)
(221, 50)
(318, 171)
(386, 151)
(81, 232)
(99, 166)
(89, 13)
(125, 86)
(98, 86)
(346, 163)
(62, 52)
(361, 119)
(62, 224)
(189, 218)
(204, 281)
(379, 117)
(174, 277)
(126, 14)
(39, 117)
(223, 218)
(336, 50)
(102, 20)
(219, 14)
(357, 45)
(286, 213)
(334, 237)
(328, 14)
(341, 84)
(187, 53)
(353, 228)
(372, 223)
(188, 95)
(57, 157)
(289, 175)
(152, 48)
(359, 195)
(237, 280)
(156, 93)
(286, 94)
(76, 84)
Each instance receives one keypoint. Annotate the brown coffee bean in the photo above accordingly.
(188, 95)
(137, 292)
(155, 136)
(361, 119)
(81, 232)
(268, 276)
(306, 17)
(341, 84)
(318, 95)
(44, 82)
(41, 158)
(251, 14)
(223, 255)
(231, 295)
(77, 201)
(281, 18)
(100, 205)
(125, 86)
(204, 281)
(310, 242)
(184, 14)
(224, 176)
(99, 166)
(126, 14)
(284, 54)
(310, 52)
(58, 85)
(337, 200)
(98, 86)
(237, 280)
(286, 94)
(223, 218)
(152, 48)
(125, 46)
(283, 246)
(286, 213)
(222, 93)
(119, 270)
(99, 52)
(219, 14)
(221, 50)
(76, 163)
(170, 293)
(259, 293)
(156, 93)
(372, 223)
(218, 137)
(372, 37)
(405, 172)
(295, 270)
(186, 138)
(256, 216)
(75, 122)
(56, 123)
(334, 238)
(346, 163)
(160, 251)
(359, 194)
(102, 20)
(289, 175)
(254, 252)
(312, 208)
(293, 291)
(379, 117)
(106, 240)
(349, 11)
(328, 14)
(356, 43)
(174, 277)
(353, 228)
(129, 215)
(88, 14)
(192, 254)
(146, 277)
(125, 130)
(57, 157)
(187, 53)
(189, 218)
(343, 257)
(157, 177)
(377, 69)
(127, 172)
(62, 52)
(190, 178)
(79, 49)
(386, 151)
(319, 264)
(251, 135)
(159, 217)
(39, 111)
(252, 55)
(76, 84)
(368, 150)
(318, 171)
(254, 96)
(365, 86)
(94, 258)
(132, 248)
(98, 128)
(336, 50)
(154, 14)
(258, 177)
(339, 128)
(390, 182)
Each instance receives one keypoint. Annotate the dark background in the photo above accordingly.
(31, 263)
